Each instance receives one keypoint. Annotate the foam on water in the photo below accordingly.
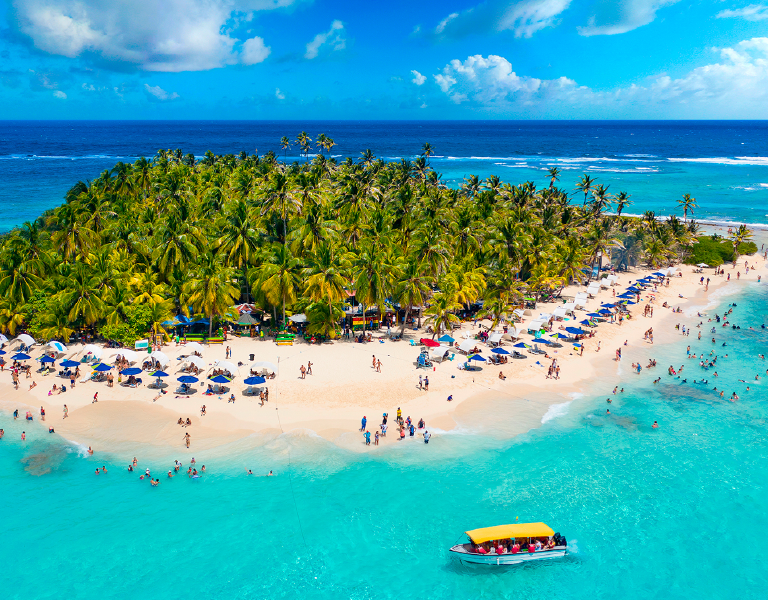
(555, 411)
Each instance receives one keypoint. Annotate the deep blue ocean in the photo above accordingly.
(723, 164)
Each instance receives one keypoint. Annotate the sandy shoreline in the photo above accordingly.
(344, 386)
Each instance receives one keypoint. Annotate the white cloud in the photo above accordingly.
(254, 51)
(155, 92)
(736, 86)
(333, 39)
(753, 12)
(173, 35)
(279, 95)
(418, 78)
(60, 95)
(624, 16)
(523, 18)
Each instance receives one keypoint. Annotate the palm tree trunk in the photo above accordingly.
(405, 320)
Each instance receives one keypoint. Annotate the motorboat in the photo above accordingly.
(511, 545)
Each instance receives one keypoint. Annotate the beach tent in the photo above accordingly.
(128, 355)
(569, 306)
(159, 358)
(93, 350)
(467, 345)
(194, 347)
(58, 346)
(535, 325)
(25, 339)
(499, 351)
(195, 360)
(227, 366)
(262, 365)
(300, 318)
(604, 283)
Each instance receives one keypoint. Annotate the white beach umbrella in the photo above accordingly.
(193, 347)
(159, 358)
(263, 364)
(25, 339)
(226, 365)
(92, 349)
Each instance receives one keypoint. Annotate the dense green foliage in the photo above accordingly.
(148, 240)
(715, 250)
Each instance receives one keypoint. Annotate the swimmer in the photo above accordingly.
(607, 411)
(248, 472)
(98, 472)
(104, 469)
(170, 474)
(608, 400)
(655, 425)
(269, 474)
(90, 450)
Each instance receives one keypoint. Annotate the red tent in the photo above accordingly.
(429, 343)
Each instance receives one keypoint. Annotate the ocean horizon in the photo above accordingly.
(723, 164)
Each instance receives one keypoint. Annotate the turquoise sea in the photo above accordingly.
(676, 512)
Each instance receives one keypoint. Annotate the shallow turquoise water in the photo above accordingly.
(678, 512)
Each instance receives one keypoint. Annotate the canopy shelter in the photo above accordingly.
(58, 347)
(466, 346)
(227, 366)
(263, 365)
(535, 325)
(516, 530)
(429, 343)
(495, 338)
(519, 312)
(128, 355)
(159, 358)
(93, 350)
(193, 347)
(195, 360)
(25, 339)
(604, 283)
(559, 312)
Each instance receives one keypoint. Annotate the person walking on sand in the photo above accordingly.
(95, 397)
(378, 366)
(362, 423)
(309, 367)
(426, 383)
(303, 370)
(66, 411)
(187, 439)
(421, 382)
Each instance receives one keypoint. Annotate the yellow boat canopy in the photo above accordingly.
(517, 530)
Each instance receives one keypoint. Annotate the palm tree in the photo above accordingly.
(687, 204)
(279, 277)
(412, 287)
(285, 143)
(622, 201)
(585, 185)
(740, 235)
(210, 288)
(427, 151)
(554, 175)
(441, 312)
(81, 296)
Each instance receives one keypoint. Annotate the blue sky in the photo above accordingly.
(327, 59)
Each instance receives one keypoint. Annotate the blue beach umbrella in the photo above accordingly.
(20, 356)
(608, 304)
(605, 311)
(585, 322)
(68, 364)
(630, 302)
(254, 380)
(594, 314)
(446, 338)
(577, 345)
(499, 351)
(47, 359)
(158, 374)
(2, 352)
(220, 379)
(521, 345)
(131, 371)
(477, 357)
(188, 379)
(541, 341)
(575, 330)
(559, 336)
(101, 368)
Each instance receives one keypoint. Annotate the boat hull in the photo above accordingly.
(461, 553)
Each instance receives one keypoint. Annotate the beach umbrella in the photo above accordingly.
(605, 311)
(2, 352)
(521, 345)
(131, 371)
(70, 363)
(585, 322)
(254, 380)
(101, 368)
(477, 357)
(594, 314)
(702, 265)
(58, 346)
(559, 336)
(20, 356)
(630, 302)
(429, 343)
(541, 341)
(187, 379)
(499, 351)
(577, 345)
(47, 359)
(220, 379)
(446, 338)
(575, 330)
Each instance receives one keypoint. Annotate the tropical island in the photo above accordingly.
(150, 241)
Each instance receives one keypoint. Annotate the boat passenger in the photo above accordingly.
(551, 544)
(515, 548)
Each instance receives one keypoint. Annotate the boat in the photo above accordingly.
(515, 541)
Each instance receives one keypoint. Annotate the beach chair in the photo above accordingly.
(412, 343)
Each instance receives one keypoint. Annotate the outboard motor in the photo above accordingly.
(559, 540)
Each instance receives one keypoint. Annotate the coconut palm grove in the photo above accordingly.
(147, 242)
